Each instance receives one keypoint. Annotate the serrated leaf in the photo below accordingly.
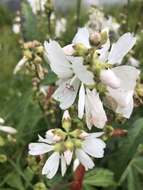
(99, 178)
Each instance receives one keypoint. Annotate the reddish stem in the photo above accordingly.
(78, 178)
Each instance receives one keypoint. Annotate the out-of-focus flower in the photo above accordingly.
(37, 5)
(60, 27)
(6, 129)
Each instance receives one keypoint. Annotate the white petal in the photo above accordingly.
(66, 93)
(95, 135)
(68, 156)
(81, 71)
(133, 62)
(58, 61)
(75, 164)
(63, 165)
(127, 110)
(81, 101)
(94, 147)
(82, 36)
(95, 114)
(85, 160)
(39, 148)
(121, 48)
(8, 129)
(109, 78)
(104, 51)
(68, 49)
(123, 95)
(20, 65)
(51, 166)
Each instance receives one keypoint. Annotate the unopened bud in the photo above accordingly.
(80, 49)
(95, 38)
(3, 158)
(104, 36)
(109, 78)
(66, 121)
(40, 186)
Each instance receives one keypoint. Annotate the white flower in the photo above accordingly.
(37, 5)
(72, 72)
(47, 145)
(96, 150)
(120, 80)
(123, 96)
(62, 152)
(60, 26)
(6, 129)
(16, 28)
(95, 114)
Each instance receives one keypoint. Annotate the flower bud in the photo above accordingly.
(95, 38)
(66, 121)
(2, 141)
(80, 49)
(40, 186)
(104, 36)
(3, 158)
(109, 78)
(1, 120)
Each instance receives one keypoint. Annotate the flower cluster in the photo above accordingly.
(90, 74)
(67, 144)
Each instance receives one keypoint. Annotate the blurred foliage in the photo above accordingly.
(124, 156)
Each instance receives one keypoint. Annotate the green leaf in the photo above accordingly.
(14, 181)
(128, 147)
(99, 178)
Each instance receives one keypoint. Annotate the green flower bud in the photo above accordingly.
(28, 54)
(40, 186)
(2, 141)
(104, 37)
(3, 158)
(80, 49)
(66, 121)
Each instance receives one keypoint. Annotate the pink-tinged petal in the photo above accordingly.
(68, 156)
